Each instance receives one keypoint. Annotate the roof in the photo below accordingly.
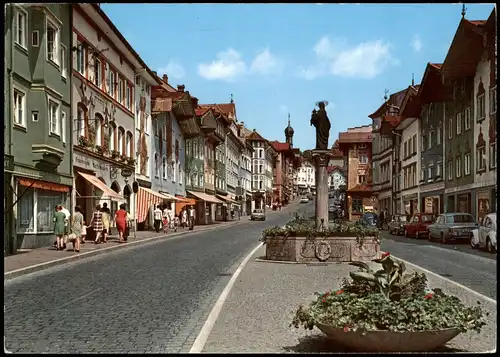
(280, 147)
(224, 108)
(200, 111)
(255, 136)
(356, 135)
(432, 88)
(391, 100)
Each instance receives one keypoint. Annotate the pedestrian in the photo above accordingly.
(165, 220)
(67, 215)
(106, 217)
(96, 224)
(381, 220)
(176, 222)
(121, 222)
(59, 221)
(157, 215)
(184, 217)
(76, 229)
(191, 218)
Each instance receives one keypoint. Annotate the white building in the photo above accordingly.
(336, 178)
(305, 177)
(485, 125)
(104, 72)
(408, 128)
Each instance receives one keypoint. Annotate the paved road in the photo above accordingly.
(458, 262)
(152, 298)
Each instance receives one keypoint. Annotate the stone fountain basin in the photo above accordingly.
(389, 341)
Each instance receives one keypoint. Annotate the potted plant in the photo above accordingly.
(115, 154)
(388, 310)
(98, 149)
(83, 141)
(131, 161)
(300, 241)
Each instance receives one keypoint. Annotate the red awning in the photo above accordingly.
(145, 199)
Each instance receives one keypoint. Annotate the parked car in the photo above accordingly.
(258, 215)
(396, 224)
(417, 225)
(368, 220)
(304, 200)
(450, 226)
(485, 236)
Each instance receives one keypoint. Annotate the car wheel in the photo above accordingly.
(489, 246)
(471, 242)
(443, 238)
(417, 235)
(406, 234)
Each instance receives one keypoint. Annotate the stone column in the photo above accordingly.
(320, 158)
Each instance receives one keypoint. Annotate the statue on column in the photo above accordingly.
(322, 124)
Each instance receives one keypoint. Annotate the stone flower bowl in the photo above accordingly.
(388, 341)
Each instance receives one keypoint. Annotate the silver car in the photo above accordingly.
(450, 226)
(258, 215)
(486, 234)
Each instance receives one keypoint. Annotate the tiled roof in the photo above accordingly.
(355, 137)
(224, 108)
(255, 136)
(279, 147)
(200, 111)
(392, 120)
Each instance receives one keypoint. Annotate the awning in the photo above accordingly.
(145, 199)
(227, 199)
(94, 181)
(204, 197)
(168, 196)
(49, 186)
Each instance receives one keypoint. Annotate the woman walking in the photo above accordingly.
(77, 228)
(121, 222)
(96, 224)
(59, 222)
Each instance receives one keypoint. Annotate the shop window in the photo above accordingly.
(46, 205)
(493, 155)
(26, 210)
(357, 205)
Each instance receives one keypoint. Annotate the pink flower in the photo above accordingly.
(428, 296)
(347, 328)
(324, 300)
(339, 292)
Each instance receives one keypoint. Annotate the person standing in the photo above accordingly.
(381, 219)
(184, 217)
(166, 222)
(191, 218)
(77, 228)
(157, 215)
(121, 222)
(67, 214)
(106, 217)
(59, 221)
(96, 224)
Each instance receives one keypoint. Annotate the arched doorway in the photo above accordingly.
(127, 192)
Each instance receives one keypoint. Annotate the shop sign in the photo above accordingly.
(89, 163)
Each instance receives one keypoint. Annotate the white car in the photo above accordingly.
(304, 200)
(486, 235)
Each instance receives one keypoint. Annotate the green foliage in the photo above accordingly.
(388, 299)
(304, 227)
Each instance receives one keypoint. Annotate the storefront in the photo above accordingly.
(459, 202)
(410, 204)
(485, 202)
(432, 198)
(207, 207)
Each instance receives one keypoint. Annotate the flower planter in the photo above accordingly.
(388, 341)
(322, 249)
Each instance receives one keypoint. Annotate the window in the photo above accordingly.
(450, 170)
(112, 84)
(26, 210)
(467, 164)
(180, 176)
(406, 149)
(493, 154)
(34, 116)
(112, 138)
(174, 173)
(63, 127)
(80, 58)
(363, 159)
(128, 98)
(64, 69)
(52, 42)
(458, 167)
(19, 108)
(54, 123)
(450, 128)
(20, 25)
(97, 72)
(459, 123)
(107, 78)
(467, 118)
(157, 165)
(439, 169)
(481, 107)
(80, 123)
(481, 158)
(128, 146)
(493, 100)
(431, 134)
(361, 146)
(422, 174)
(414, 144)
(357, 205)
(35, 38)
(429, 172)
(120, 140)
(361, 179)
(164, 166)
(120, 90)
(98, 130)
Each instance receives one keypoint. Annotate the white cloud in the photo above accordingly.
(416, 43)
(227, 67)
(173, 69)
(366, 60)
(266, 63)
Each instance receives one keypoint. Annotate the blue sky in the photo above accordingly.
(276, 59)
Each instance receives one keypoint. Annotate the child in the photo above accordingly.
(84, 232)
(165, 223)
(176, 222)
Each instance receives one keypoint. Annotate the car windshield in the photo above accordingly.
(426, 218)
(460, 218)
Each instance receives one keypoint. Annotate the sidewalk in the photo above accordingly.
(257, 313)
(28, 261)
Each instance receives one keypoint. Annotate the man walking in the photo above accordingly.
(191, 218)
(157, 218)
(381, 219)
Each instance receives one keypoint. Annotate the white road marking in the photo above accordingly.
(207, 328)
(473, 292)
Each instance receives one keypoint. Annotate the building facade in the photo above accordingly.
(38, 122)
(355, 145)
(305, 177)
(245, 179)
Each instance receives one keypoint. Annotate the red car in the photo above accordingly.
(417, 226)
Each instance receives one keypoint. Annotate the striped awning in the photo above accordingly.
(145, 198)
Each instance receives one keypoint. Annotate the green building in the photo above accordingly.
(37, 129)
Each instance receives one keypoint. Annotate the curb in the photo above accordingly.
(43, 266)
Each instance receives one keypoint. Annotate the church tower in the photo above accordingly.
(289, 133)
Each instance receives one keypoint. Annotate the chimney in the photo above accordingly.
(180, 88)
(165, 79)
